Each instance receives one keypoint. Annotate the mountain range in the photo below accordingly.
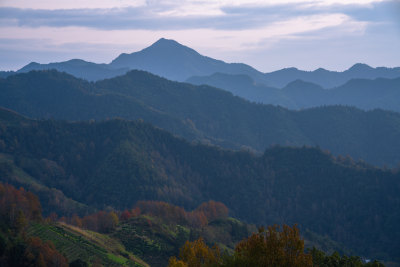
(365, 94)
(86, 137)
(205, 114)
(174, 61)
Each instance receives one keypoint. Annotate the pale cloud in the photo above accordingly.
(234, 40)
(71, 4)
(234, 31)
(177, 7)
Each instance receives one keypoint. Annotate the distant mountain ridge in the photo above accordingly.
(174, 61)
(362, 93)
(330, 79)
(79, 68)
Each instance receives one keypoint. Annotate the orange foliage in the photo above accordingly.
(101, 221)
(206, 212)
(213, 210)
(106, 221)
(18, 206)
(126, 214)
(196, 254)
(41, 253)
(273, 247)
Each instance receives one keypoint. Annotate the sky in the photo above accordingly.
(268, 35)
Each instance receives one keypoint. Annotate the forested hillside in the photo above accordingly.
(205, 114)
(147, 235)
(117, 163)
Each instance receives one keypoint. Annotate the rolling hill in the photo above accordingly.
(117, 163)
(205, 114)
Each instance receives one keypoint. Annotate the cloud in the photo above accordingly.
(170, 4)
(232, 30)
(174, 15)
(71, 4)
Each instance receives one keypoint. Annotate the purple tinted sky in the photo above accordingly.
(269, 35)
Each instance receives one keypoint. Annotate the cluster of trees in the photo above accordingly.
(269, 247)
(156, 230)
(201, 216)
(321, 259)
(273, 247)
(102, 221)
(105, 222)
(35, 252)
(17, 209)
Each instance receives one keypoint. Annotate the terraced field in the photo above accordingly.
(152, 240)
(78, 245)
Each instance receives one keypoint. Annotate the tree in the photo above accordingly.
(197, 254)
(272, 247)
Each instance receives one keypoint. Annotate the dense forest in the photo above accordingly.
(149, 234)
(205, 114)
(117, 163)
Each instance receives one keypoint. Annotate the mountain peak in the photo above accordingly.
(360, 67)
(300, 85)
(169, 46)
(163, 41)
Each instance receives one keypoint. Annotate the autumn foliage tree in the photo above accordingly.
(102, 221)
(272, 247)
(39, 253)
(17, 209)
(213, 210)
(201, 216)
(18, 206)
(197, 254)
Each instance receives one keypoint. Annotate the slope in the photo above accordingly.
(170, 59)
(116, 163)
(204, 113)
(91, 247)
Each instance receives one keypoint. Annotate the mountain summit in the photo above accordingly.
(172, 60)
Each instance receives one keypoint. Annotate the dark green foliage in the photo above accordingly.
(320, 259)
(117, 163)
(2, 244)
(78, 263)
(205, 114)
